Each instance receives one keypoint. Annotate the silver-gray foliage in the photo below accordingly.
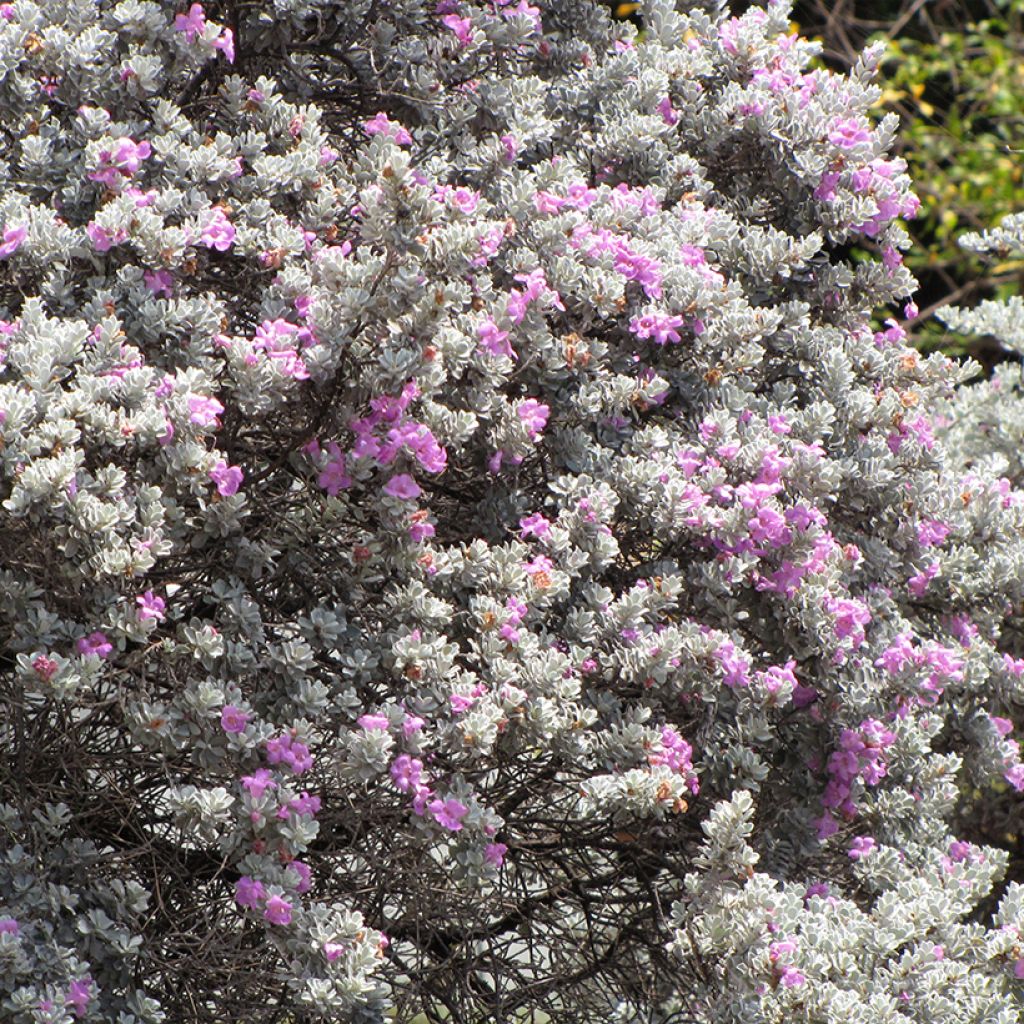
(463, 546)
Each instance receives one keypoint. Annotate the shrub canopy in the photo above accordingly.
(464, 547)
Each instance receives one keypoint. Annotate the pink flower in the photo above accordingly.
(225, 42)
(333, 477)
(79, 994)
(931, 531)
(102, 239)
(301, 868)
(548, 202)
(8, 926)
(406, 773)
(660, 327)
(122, 161)
(668, 113)
(847, 133)
(460, 702)
(333, 950)
(534, 525)
(494, 340)
(233, 719)
(851, 617)
(13, 237)
(382, 124)
(539, 564)
(862, 846)
(258, 783)
(151, 606)
(534, 416)
(285, 750)
(45, 668)
(494, 853)
(448, 813)
(918, 584)
(373, 723)
(192, 24)
(218, 232)
(278, 910)
(403, 487)
(95, 643)
(204, 411)
(462, 27)
(249, 892)
(227, 478)
(159, 282)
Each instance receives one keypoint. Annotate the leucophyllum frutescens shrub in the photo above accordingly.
(465, 548)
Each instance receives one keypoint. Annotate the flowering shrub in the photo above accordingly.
(464, 548)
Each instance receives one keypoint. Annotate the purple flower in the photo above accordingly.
(382, 124)
(861, 847)
(462, 27)
(373, 723)
(78, 996)
(102, 239)
(918, 584)
(95, 643)
(510, 147)
(534, 525)
(13, 237)
(403, 487)
(302, 869)
(534, 416)
(159, 282)
(225, 42)
(304, 805)
(931, 531)
(192, 24)
(494, 853)
(333, 950)
(258, 783)
(218, 232)
(204, 411)
(227, 478)
(285, 750)
(249, 892)
(667, 111)
(278, 910)
(8, 926)
(791, 977)
(494, 340)
(847, 133)
(333, 477)
(406, 773)
(151, 606)
(448, 813)
(233, 719)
